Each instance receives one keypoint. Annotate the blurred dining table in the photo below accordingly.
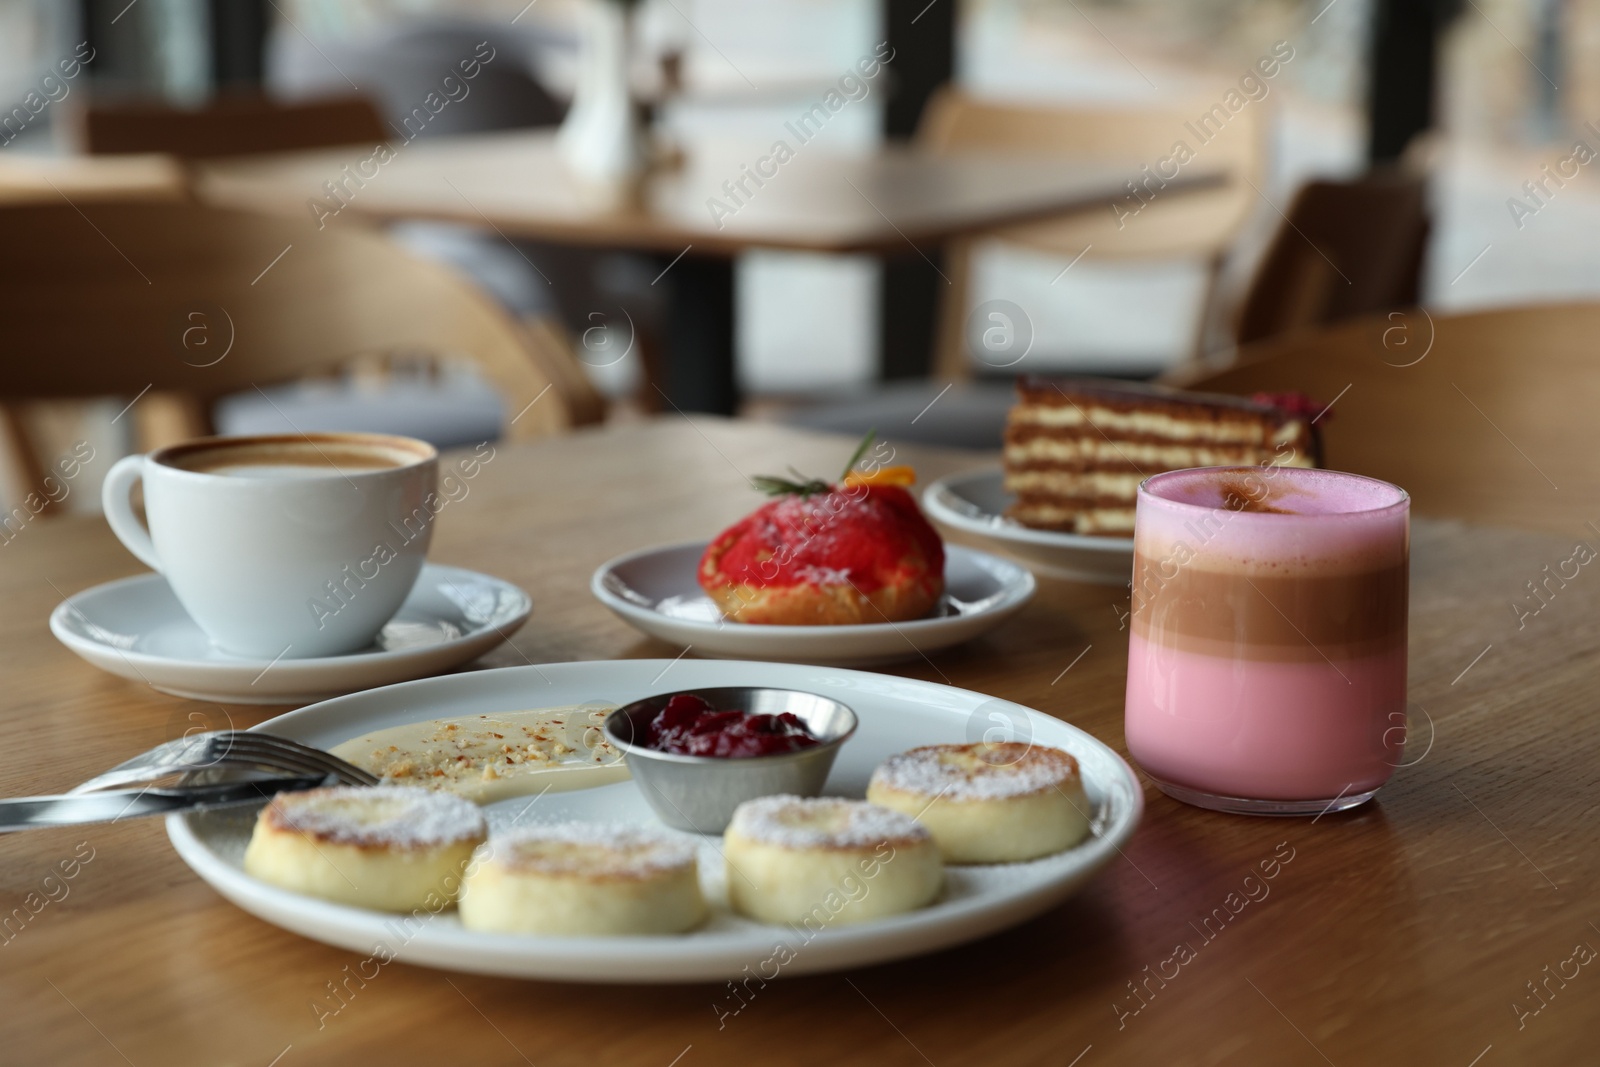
(709, 203)
(1451, 921)
(26, 178)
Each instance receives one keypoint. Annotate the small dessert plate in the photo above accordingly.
(136, 628)
(656, 590)
(975, 503)
(894, 714)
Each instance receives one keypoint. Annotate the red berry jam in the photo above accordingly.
(690, 726)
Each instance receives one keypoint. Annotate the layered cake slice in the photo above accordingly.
(1077, 449)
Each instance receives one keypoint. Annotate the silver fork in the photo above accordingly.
(280, 753)
(204, 751)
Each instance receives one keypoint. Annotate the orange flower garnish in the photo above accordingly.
(902, 475)
(800, 485)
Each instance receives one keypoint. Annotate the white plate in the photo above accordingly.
(656, 590)
(895, 713)
(975, 503)
(136, 628)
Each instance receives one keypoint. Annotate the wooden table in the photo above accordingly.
(32, 179)
(892, 201)
(1401, 933)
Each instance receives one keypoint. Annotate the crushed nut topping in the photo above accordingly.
(461, 755)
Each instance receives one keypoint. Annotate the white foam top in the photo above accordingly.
(822, 822)
(380, 816)
(1294, 490)
(1295, 519)
(591, 850)
(977, 771)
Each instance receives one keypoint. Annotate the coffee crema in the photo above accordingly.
(295, 456)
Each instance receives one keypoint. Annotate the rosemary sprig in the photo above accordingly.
(861, 450)
(803, 486)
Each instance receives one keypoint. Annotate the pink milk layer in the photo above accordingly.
(1270, 731)
(1263, 728)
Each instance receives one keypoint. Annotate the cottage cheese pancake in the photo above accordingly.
(486, 758)
(827, 860)
(383, 847)
(988, 802)
(584, 879)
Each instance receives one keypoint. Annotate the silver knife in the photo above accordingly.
(25, 813)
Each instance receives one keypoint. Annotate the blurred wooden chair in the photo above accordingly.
(1346, 248)
(1199, 225)
(1479, 417)
(130, 299)
(230, 125)
(244, 124)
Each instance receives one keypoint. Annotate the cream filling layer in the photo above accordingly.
(1229, 431)
(1143, 454)
(1124, 485)
(1084, 520)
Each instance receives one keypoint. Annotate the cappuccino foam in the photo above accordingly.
(1264, 520)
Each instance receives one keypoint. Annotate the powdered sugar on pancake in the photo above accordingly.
(591, 850)
(976, 772)
(381, 816)
(822, 822)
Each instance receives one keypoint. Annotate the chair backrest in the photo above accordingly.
(108, 299)
(1479, 417)
(1134, 136)
(1346, 248)
(230, 126)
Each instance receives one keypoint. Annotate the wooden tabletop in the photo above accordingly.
(819, 200)
(1402, 933)
(78, 179)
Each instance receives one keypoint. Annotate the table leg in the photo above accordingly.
(908, 315)
(699, 372)
(1404, 55)
(923, 37)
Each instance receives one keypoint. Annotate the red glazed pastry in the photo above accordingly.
(856, 551)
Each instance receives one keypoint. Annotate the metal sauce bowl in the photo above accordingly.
(699, 793)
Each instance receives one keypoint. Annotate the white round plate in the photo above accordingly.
(895, 714)
(975, 503)
(655, 590)
(136, 628)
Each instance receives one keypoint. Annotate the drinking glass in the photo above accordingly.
(1267, 648)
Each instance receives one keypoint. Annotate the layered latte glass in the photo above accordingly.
(1267, 653)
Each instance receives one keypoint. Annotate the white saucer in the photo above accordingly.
(895, 714)
(136, 628)
(656, 590)
(975, 503)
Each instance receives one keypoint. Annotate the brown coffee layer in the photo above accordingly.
(1301, 617)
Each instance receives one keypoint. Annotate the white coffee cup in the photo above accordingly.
(283, 546)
